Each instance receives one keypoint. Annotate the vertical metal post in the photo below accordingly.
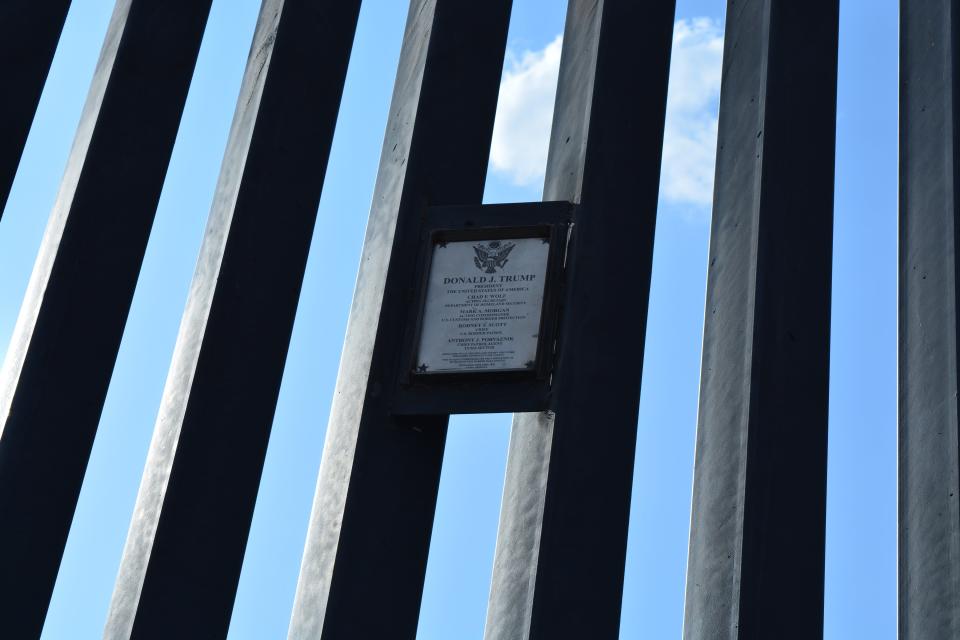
(58, 365)
(929, 462)
(366, 552)
(559, 564)
(759, 495)
(181, 565)
(31, 31)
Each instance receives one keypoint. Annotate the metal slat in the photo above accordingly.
(58, 365)
(559, 563)
(756, 561)
(929, 458)
(182, 561)
(366, 551)
(31, 31)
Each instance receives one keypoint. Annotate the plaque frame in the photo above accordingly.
(485, 391)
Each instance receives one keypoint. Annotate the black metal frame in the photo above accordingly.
(485, 391)
(928, 290)
(31, 31)
(757, 537)
(559, 569)
(186, 545)
(76, 306)
(365, 558)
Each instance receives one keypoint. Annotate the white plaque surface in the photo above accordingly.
(483, 306)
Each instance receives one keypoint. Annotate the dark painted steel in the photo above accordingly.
(366, 552)
(31, 30)
(182, 561)
(929, 463)
(756, 561)
(561, 550)
(61, 356)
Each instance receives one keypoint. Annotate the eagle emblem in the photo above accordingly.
(492, 255)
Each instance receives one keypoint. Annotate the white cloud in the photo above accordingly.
(690, 139)
(525, 113)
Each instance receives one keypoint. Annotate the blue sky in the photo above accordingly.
(861, 536)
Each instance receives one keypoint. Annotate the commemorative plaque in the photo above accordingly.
(484, 301)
